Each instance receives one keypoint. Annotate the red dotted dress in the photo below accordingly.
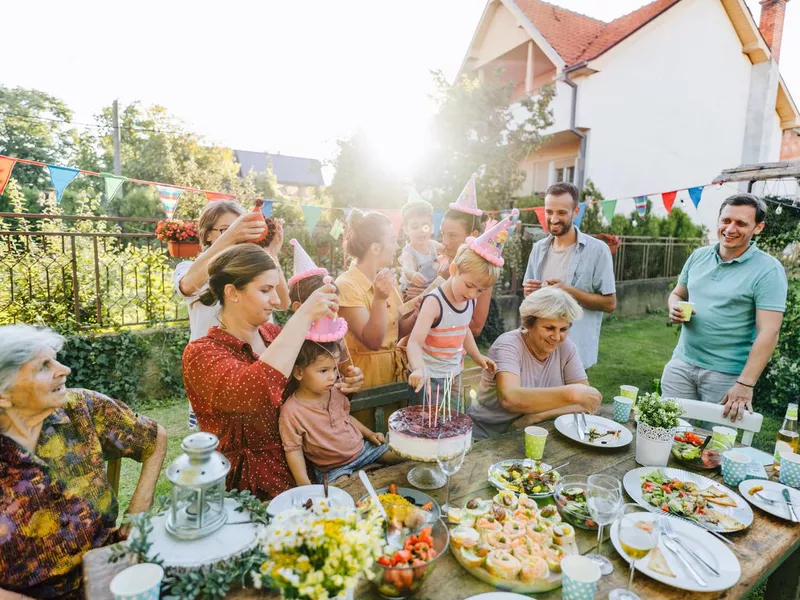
(236, 397)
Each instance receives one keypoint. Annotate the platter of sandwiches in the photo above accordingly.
(688, 496)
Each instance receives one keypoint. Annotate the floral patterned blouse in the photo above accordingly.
(56, 503)
(236, 397)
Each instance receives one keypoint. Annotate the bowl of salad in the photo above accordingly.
(400, 572)
(570, 497)
(692, 450)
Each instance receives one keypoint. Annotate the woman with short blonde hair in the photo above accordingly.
(539, 373)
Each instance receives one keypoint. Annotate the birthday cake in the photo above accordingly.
(412, 437)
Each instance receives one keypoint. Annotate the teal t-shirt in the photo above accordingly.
(726, 296)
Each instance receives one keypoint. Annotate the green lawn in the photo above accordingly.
(632, 351)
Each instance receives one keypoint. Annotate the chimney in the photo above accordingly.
(771, 24)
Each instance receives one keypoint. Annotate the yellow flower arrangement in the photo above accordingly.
(321, 552)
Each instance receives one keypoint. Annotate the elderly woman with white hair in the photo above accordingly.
(539, 373)
(55, 499)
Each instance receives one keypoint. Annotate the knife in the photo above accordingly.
(788, 499)
(580, 431)
(673, 547)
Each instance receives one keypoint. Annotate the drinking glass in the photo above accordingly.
(638, 535)
(603, 499)
(450, 456)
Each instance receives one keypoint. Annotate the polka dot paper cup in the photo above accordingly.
(535, 439)
(622, 408)
(580, 577)
(734, 467)
(790, 469)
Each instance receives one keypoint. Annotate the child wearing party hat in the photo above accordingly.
(441, 335)
(315, 423)
(420, 256)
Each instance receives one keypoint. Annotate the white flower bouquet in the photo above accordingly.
(319, 553)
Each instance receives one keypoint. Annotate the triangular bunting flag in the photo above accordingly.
(169, 198)
(668, 198)
(312, 215)
(61, 178)
(608, 207)
(112, 183)
(266, 208)
(579, 219)
(696, 193)
(6, 166)
(337, 229)
(539, 210)
(641, 205)
(438, 217)
(214, 196)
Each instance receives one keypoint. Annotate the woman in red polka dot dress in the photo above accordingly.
(235, 375)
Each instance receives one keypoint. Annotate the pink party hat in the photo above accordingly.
(303, 265)
(489, 245)
(468, 200)
(327, 329)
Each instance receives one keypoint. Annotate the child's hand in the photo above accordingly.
(487, 363)
(417, 379)
(375, 438)
(418, 280)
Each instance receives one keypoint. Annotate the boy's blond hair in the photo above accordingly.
(468, 261)
(416, 208)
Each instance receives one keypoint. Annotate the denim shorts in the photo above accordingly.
(369, 454)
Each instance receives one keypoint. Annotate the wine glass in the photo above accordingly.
(638, 535)
(450, 456)
(603, 499)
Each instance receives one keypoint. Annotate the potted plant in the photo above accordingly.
(319, 552)
(657, 421)
(181, 237)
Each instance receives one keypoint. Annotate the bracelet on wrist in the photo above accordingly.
(745, 384)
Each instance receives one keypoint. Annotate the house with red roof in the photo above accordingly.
(663, 98)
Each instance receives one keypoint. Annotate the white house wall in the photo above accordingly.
(667, 108)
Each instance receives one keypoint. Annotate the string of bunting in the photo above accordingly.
(169, 195)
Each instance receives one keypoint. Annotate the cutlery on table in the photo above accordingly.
(669, 532)
(673, 547)
(770, 500)
(716, 534)
(582, 417)
(325, 484)
(392, 535)
(554, 468)
(581, 433)
(789, 506)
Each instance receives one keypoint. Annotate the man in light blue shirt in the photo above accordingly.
(739, 297)
(576, 263)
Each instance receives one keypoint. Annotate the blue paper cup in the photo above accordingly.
(734, 467)
(579, 578)
(139, 582)
(790, 469)
(622, 408)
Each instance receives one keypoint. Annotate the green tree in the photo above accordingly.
(478, 129)
(361, 180)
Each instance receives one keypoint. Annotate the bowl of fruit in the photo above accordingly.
(570, 497)
(400, 572)
(698, 451)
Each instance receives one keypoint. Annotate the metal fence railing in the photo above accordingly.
(96, 273)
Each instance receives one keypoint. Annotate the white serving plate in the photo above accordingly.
(714, 551)
(632, 483)
(774, 490)
(283, 502)
(565, 424)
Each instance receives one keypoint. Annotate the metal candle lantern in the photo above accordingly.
(198, 488)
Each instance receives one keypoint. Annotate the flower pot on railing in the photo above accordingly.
(183, 249)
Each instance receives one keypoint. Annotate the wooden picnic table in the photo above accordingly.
(768, 547)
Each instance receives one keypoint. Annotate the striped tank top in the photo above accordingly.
(443, 350)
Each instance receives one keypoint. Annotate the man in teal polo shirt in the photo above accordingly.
(739, 297)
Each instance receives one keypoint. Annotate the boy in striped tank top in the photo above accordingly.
(441, 336)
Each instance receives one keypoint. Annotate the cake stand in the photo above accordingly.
(426, 476)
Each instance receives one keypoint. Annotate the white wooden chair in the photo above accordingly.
(712, 413)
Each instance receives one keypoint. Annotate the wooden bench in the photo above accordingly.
(378, 397)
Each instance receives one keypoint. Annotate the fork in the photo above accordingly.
(582, 417)
(669, 532)
(581, 432)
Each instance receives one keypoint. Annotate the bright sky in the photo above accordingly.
(269, 76)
